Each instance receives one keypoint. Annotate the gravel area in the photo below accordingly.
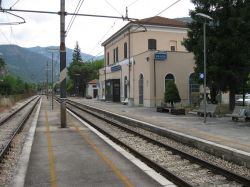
(8, 166)
(192, 172)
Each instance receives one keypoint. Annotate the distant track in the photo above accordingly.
(4, 120)
(13, 124)
(181, 168)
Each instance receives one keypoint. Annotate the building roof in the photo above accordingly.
(93, 81)
(158, 20)
(153, 21)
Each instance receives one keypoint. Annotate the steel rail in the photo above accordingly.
(18, 129)
(16, 111)
(214, 168)
(164, 172)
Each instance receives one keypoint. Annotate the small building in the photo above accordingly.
(92, 89)
(141, 57)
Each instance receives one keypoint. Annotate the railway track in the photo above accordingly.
(181, 168)
(13, 124)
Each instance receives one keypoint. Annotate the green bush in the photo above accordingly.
(171, 93)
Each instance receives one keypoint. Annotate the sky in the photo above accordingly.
(44, 29)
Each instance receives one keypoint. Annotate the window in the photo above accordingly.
(108, 58)
(116, 60)
(115, 55)
(114, 52)
(172, 48)
(151, 44)
(125, 50)
(173, 45)
(169, 77)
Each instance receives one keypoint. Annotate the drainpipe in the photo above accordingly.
(129, 66)
(105, 74)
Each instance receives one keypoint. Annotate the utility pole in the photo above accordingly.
(52, 74)
(63, 65)
(47, 81)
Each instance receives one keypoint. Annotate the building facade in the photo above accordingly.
(91, 89)
(141, 57)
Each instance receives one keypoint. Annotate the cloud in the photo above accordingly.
(44, 29)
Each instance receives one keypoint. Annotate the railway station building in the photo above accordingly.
(141, 57)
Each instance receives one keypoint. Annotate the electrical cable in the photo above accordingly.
(5, 36)
(113, 7)
(168, 7)
(14, 4)
(100, 41)
(112, 26)
(79, 5)
(13, 23)
(132, 3)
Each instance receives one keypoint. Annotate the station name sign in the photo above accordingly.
(161, 56)
(115, 68)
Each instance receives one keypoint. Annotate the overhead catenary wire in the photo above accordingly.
(15, 3)
(133, 3)
(15, 22)
(78, 7)
(168, 7)
(5, 36)
(113, 7)
(112, 26)
(100, 41)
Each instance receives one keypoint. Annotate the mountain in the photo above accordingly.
(30, 63)
(46, 52)
(27, 65)
(185, 19)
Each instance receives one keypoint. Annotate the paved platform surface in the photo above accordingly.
(75, 156)
(222, 130)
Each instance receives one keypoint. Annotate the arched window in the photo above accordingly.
(152, 44)
(169, 77)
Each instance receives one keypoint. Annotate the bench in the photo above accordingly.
(125, 101)
(240, 112)
(165, 108)
(210, 110)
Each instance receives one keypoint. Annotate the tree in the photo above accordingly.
(171, 93)
(228, 41)
(76, 56)
(81, 73)
(2, 63)
(2, 67)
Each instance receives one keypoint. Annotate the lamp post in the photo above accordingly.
(206, 17)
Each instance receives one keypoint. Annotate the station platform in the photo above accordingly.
(219, 130)
(76, 156)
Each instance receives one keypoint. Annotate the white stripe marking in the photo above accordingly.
(23, 162)
(149, 171)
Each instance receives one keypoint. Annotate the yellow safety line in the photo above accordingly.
(51, 156)
(112, 166)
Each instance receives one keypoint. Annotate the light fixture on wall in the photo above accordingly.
(147, 59)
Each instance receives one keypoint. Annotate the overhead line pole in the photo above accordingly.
(63, 65)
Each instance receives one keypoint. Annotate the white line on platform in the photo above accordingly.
(23, 162)
(149, 171)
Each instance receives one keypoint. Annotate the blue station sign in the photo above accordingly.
(161, 56)
(115, 68)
